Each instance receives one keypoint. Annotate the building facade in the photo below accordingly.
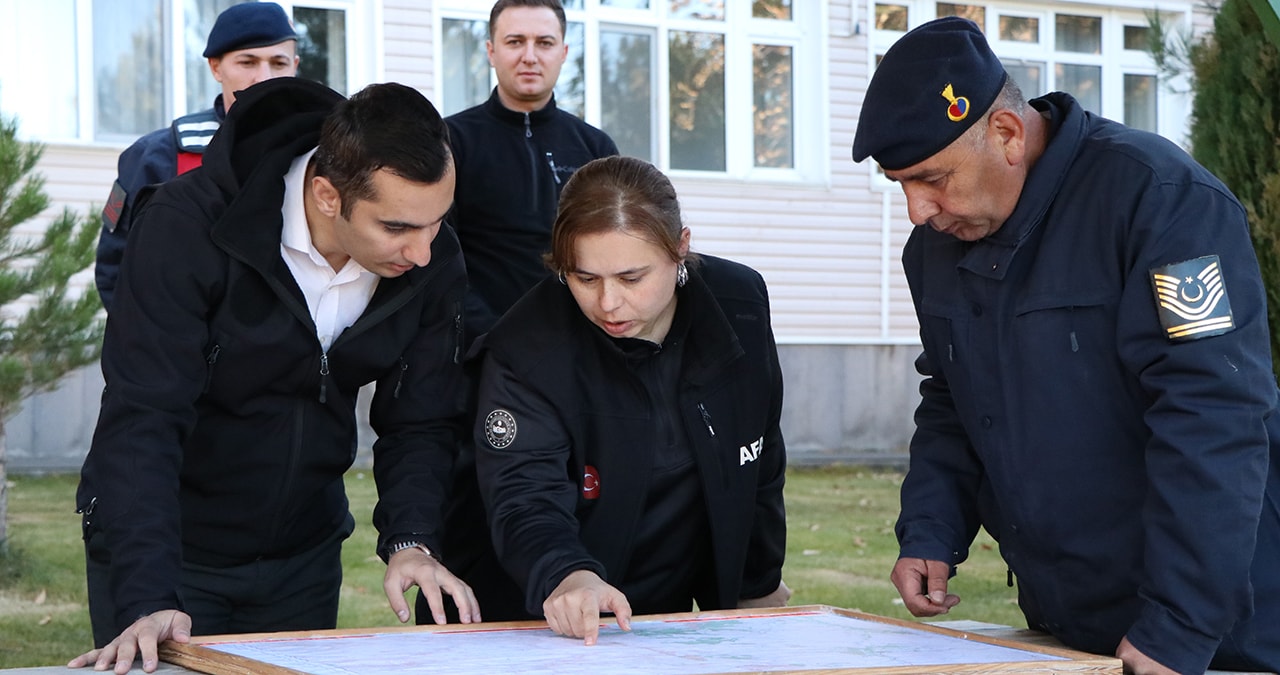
(749, 105)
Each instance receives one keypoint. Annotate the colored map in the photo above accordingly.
(754, 643)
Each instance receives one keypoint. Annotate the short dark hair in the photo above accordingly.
(502, 5)
(616, 193)
(383, 126)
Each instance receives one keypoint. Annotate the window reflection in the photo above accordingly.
(771, 9)
(1019, 28)
(1140, 101)
(892, 17)
(1028, 75)
(322, 46)
(1078, 34)
(626, 91)
(708, 10)
(128, 67)
(1082, 82)
(697, 100)
(771, 67)
(465, 65)
(198, 18)
(974, 13)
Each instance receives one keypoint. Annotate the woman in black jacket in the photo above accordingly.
(628, 448)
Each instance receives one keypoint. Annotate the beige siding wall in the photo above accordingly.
(408, 43)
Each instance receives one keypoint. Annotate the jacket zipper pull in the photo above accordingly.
(528, 130)
(1010, 577)
(552, 162)
(706, 419)
(324, 374)
(403, 367)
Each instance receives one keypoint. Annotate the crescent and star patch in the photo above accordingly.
(1192, 300)
(500, 429)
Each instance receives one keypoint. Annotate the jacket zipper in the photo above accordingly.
(404, 365)
(324, 376)
(211, 358)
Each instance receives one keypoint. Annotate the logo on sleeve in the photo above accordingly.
(1192, 300)
(590, 482)
(500, 429)
(114, 207)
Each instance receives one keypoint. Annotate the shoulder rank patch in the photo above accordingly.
(1192, 300)
(500, 429)
(114, 207)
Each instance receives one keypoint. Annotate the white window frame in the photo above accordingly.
(805, 34)
(364, 62)
(1173, 109)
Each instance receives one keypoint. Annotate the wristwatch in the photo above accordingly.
(409, 543)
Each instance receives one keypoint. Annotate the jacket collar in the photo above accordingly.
(514, 118)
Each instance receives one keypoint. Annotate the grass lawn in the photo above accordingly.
(839, 552)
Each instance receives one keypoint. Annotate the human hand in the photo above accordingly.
(778, 598)
(574, 607)
(413, 567)
(923, 586)
(143, 636)
(1138, 663)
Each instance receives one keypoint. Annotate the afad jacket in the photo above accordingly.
(225, 428)
(565, 491)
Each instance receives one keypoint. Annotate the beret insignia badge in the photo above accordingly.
(1192, 300)
(959, 108)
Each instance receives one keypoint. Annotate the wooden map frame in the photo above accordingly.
(198, 657)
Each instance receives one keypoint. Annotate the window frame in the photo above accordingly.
(804, 34)
(363, 62)
(1172, 108)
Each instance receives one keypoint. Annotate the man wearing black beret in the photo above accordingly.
(249, 43)
(1098, 390)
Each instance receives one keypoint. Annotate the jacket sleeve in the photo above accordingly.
(150, 160)
(768, 545)
(154, 365)
(527, 486)
(416, 412)
(939, 499)
(1207, 457)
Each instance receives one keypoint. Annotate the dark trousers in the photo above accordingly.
(295, 593)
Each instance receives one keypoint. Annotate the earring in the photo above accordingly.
(682, 275)
(562, 279)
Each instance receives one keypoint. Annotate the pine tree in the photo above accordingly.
(45, 332)
(1235, 127)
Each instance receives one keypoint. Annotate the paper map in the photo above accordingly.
(796, 641)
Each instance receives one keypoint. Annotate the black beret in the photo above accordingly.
(248, 26)
(930, 87)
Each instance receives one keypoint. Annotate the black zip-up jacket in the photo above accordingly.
(511, 167)
(225, 428)
(576, 404)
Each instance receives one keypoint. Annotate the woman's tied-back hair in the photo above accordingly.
(616, 193)
(383, 126)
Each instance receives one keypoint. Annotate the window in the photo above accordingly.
(693, 85)
(134, 65)
(1098, 56)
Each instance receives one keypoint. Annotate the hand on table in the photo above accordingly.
(574, 607)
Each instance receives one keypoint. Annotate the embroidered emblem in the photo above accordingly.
(959, 108)
(1192, 300)
(114, 207)
(500, 429)
(590, 482)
